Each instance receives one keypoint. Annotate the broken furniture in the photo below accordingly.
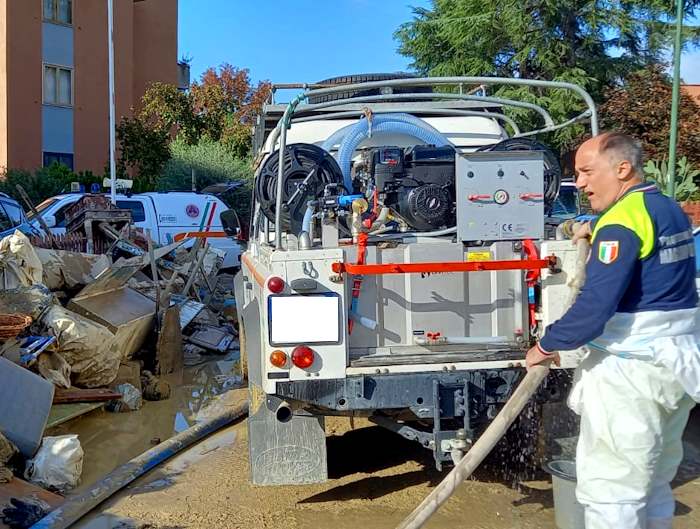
(95, 217)
(25, 403)
(127, 313)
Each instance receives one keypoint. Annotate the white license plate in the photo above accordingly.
(304, 319)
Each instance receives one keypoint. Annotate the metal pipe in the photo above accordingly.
(673, 141)
(280, 182)
(580, 117)
(112, 118)
(487, 81)
(283, 413)
(75, 508)
(390, 97)
(460, 97)
(439, 111)
(429, 81)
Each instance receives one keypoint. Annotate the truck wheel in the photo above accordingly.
(366, 78)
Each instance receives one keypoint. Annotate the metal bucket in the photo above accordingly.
(568, 513)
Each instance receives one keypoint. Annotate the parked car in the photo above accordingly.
(567, 205)
(168, 216)
(12, 217)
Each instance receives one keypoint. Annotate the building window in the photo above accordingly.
(58, 11)
(58, 157)
(58, 86)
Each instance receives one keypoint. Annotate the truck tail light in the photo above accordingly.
(303, 356)
(275, 284)
(278, 358)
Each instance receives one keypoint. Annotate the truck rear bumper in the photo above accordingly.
(432, 408)
(474, 390)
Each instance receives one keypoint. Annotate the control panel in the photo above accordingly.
(500, 195)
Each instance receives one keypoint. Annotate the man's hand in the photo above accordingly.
(535, 356)
(584, 232)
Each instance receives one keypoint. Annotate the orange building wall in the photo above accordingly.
(90, 111)
(145, 50)
(145, 43)
(3, 84)
(23, 79)
(91, 63)
(155, 45)
(693, 90)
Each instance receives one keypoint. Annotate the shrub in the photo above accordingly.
(213, 163)
(686, 175)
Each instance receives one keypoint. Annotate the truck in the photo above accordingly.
(398, 267)
(167, 216)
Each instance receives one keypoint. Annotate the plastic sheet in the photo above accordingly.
(58, 464)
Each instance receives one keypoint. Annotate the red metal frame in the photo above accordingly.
(427, 268)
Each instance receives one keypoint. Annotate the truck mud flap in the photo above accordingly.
(286, 448)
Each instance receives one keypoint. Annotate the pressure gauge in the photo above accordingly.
(501, 197)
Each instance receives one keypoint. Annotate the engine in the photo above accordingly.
(418, 183)
(500, 193)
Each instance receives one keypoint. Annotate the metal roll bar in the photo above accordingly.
(436, 111)
(286, 120)
(548, 121)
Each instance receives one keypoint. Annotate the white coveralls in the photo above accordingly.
(638, 315)
(632, 392)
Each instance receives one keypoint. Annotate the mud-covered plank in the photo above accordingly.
(71, 395)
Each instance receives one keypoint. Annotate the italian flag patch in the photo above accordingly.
(608, 251)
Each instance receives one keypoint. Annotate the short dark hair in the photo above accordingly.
(623, 147)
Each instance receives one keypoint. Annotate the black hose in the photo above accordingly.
(75, 508)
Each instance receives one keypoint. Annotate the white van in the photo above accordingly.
(168, 216)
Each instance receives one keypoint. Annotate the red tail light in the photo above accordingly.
(302, 356)
(275, 284)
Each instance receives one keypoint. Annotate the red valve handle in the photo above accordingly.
(478, 197)
(529, 196)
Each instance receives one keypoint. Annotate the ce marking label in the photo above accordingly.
(507, 227)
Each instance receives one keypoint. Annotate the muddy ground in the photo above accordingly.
(376, 479)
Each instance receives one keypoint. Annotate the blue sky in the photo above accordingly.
(306, 40)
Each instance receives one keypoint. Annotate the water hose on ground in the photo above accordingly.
(478, 452)
(498, 427)
(75, 508)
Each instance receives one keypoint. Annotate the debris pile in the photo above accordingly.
(102, 325)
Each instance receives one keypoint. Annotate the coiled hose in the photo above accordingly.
(351, 136)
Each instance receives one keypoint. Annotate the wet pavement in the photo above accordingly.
(111, 439)
(376, 477)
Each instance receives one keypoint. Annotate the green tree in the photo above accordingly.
(144, 149)
(220, 107)
(641, 107)
(212, 163)
(229, 102)
(594, 43)
(215, 113)
(45, 182)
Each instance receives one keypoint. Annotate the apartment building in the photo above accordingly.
(693, 90)
(54, 78)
